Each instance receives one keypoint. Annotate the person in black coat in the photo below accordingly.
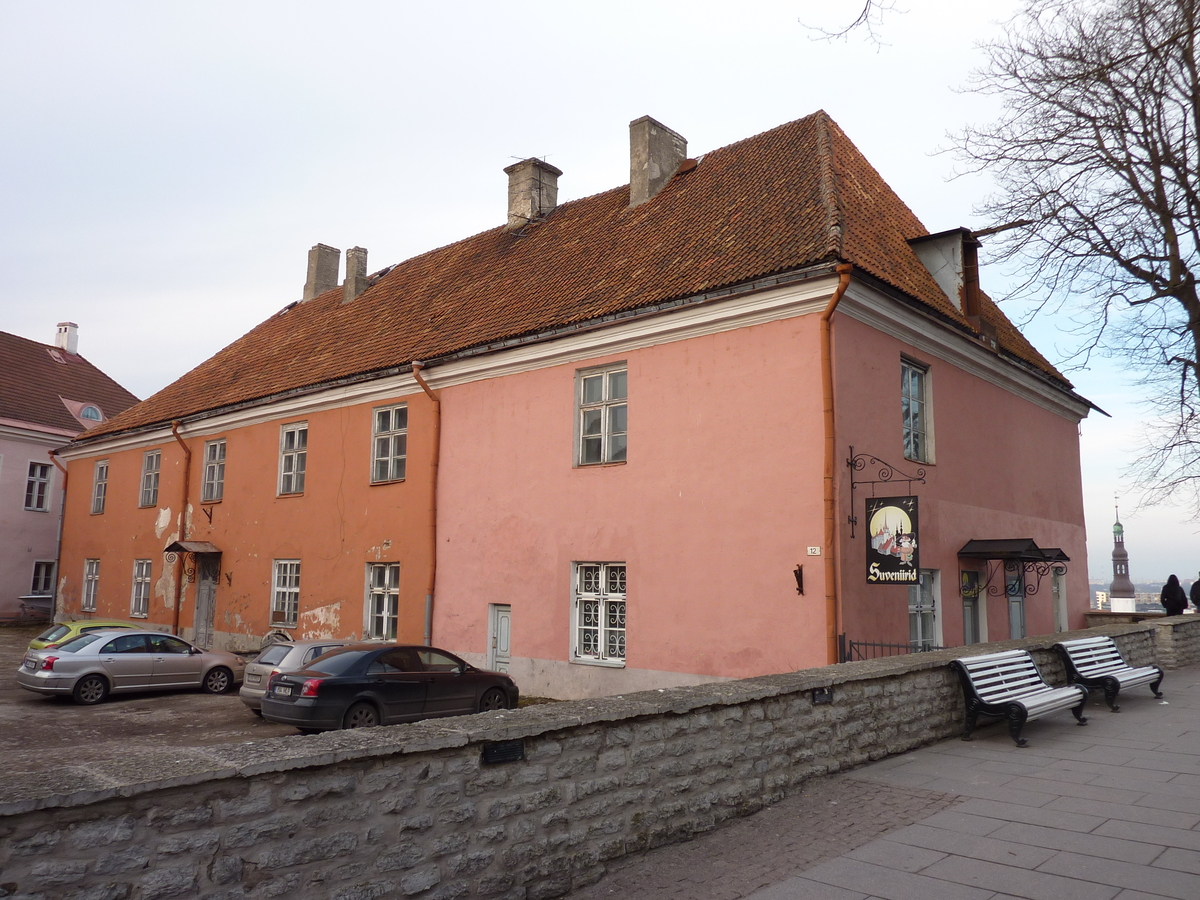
(1196, 593)
(1173, 599)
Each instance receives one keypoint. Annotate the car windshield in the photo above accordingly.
(78, 643)
(273, 654)
(53, 633)
(337, 663)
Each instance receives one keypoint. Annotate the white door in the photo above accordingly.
(499, 629)
(1059, 588)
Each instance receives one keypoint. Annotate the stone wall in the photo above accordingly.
(1177, 641)
(414, 811)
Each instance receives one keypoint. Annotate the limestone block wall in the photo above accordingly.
(415, 811)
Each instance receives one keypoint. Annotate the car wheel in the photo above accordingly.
(493, 699)
(90, 689)
(218, 680)
(361, 715)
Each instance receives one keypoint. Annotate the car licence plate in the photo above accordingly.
(253, 679)
(30, 662)
(283, 690)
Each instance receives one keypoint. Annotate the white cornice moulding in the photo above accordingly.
(863, 303)
(873, 308)
(14, 430)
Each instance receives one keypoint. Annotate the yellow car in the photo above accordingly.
(64, 631)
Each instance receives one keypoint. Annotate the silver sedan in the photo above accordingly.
(92, 665)
(281, 656)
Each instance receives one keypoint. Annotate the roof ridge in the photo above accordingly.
(835, 223)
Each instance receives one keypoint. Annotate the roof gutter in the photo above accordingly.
(417, 366)
(833, 606)
(187, 481)
(62, 518)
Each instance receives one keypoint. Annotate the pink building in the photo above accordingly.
(744, 415)
(48, 395)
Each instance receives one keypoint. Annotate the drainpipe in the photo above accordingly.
(417, 366)
(833, 608)
(187, 479)
(62, 516)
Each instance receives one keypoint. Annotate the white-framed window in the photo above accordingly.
(383, 600)
(974, 598)
(37, 487)
(914, 409)
(924, 627)
(285, 598)
(151, 463)
(1014, 591)
(390, 432)
(601, 397)
(598, 616)
(293, 457)
(139, 601)
(91, 413)
(214, 471)
(43, 578)
(99, 486)
(91, 583)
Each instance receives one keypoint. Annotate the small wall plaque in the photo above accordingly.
(822, 695)
(503, 751)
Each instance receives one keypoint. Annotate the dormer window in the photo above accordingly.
(90, 412)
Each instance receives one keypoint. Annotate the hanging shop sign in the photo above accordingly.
(892, 552)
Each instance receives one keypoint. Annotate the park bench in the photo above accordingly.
(1008, 685)
(1097, 663)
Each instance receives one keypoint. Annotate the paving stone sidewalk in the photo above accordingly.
(1109, 811)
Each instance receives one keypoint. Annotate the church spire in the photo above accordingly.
(1121, 586)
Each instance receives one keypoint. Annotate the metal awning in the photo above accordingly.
(1020, 549)
(191, 547)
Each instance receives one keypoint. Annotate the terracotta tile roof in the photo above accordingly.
(797, 195)
(36, 378)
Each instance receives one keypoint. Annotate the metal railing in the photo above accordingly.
(849, 650)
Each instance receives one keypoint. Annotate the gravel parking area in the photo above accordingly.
(39, 733)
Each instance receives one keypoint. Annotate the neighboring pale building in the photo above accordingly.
(48, 395)
(712, 424)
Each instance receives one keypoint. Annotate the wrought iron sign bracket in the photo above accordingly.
(884, 472)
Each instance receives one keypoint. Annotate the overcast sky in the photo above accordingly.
(164, 167)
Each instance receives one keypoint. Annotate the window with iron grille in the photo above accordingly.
(390, 432)
(285, 599)
(37, 487)
(293, 457)
(602, 404)
(91, 583)
(214, 471)
(599, 613)
(383, 587)
(139, 602)
(43, 579)
(99, 486)
(914, 409)
(151, 462)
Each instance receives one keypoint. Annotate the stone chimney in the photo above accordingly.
(952, 258)
(323, 265)
(655, 152)
(67, 337)
(356, 273)
(532, 191)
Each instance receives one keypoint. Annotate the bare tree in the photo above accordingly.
(868, 20)
(1095, 157)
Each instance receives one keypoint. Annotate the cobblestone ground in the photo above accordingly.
(831, 816)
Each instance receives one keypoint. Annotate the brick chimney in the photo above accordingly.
(323, 263)
(655, 152)
(67, 337)
(356, 273)
(532, 191)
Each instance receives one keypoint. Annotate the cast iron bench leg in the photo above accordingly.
(1111, 687)
(1154, 687)
(1016, 721)
(972, 718)
(1077, 711)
